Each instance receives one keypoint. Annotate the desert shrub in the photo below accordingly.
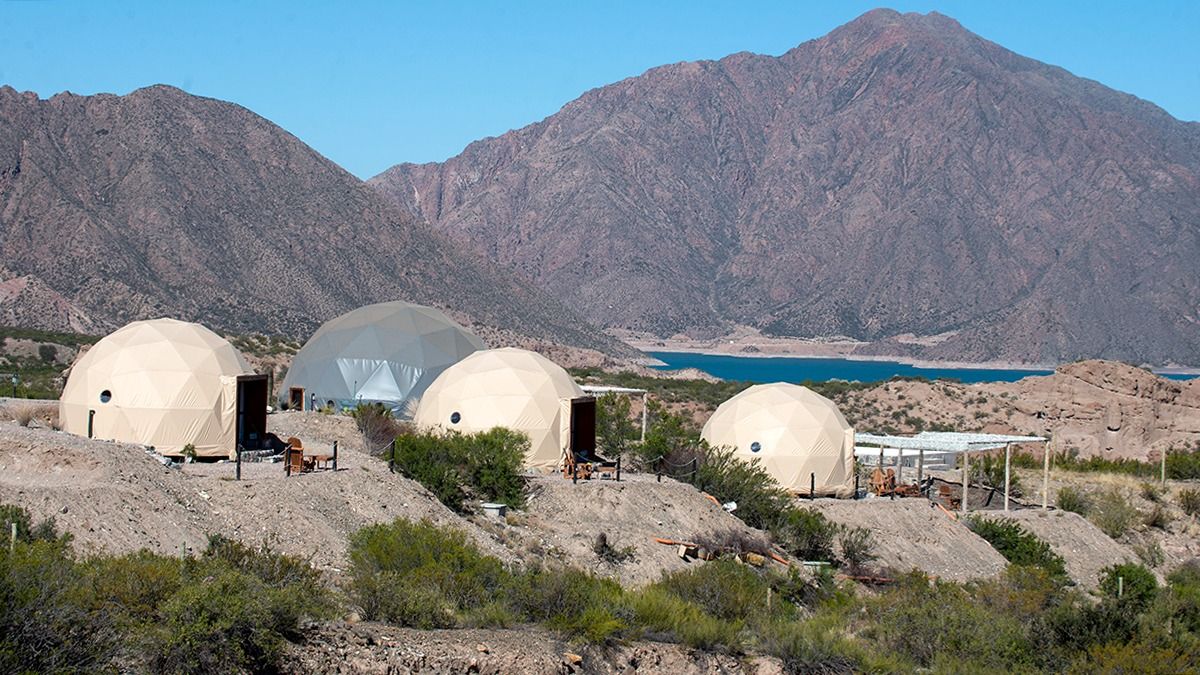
(760, 500)
(670, 618)
(43, 628)
(1116, 658)
(457, 466)
(613, 555)
(616, 431)
(572, 602)
(989, 470)
(377, 426)
(942, 623)
(27, 532)
(671, 443)
(734, 541)
(417, 574)
(722, 588)
(1073, 500)
(1021, 592)
(1150, 553)
(306, 594)
(1152, 492)
(1018, 546)
(1113, 513)
(47, 353)
(1130, 583)
(856, 547)
(811, 647)
(1158, 517)
(1189, 501)
(1183, 465)
(1079, 624)
(805, 534)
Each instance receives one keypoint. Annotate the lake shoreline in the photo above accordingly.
(837, 350)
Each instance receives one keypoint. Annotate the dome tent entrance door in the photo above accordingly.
(251, 414)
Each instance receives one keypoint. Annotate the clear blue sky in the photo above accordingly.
(372, 84)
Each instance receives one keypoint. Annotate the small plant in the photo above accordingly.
(609, 553)
(1073, 500)
(377, 426)
(1152, 492)
(1189, 501)
(1150, 553)
(1017, 545)
(189, 452)
(856, 547)
(1159, 517)
(1129, 583)
(1113, 513)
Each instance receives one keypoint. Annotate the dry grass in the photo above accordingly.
(27, 413)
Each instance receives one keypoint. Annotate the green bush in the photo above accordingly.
(1152, 492)
(1135, 584)
(1117, 658)
(377, 426)
(760, 500)
(942, 624)
(616, 431)
(667, 617)
(1184, 465)
(856, 546)
(1158, 517)
(805, 534)
(45, 530)
(571, 601)
(1113, 513)
(989, 470)
(1073, 500)
(1018, 546)
(455, 467)
(417, 574)
(812, 647)
(725, 589)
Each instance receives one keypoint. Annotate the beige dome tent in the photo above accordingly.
(516, 389)
(167, 384)
(796, 434)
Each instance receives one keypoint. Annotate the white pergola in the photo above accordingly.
(953, 442)
(596, 389)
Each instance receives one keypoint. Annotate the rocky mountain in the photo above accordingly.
(114, 208)
(900, 181)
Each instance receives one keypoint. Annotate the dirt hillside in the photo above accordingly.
(1084, 548)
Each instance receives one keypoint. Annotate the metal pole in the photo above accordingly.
(287, 461)
(812, 484)
(91, 419)
(856, 485)
(1007, 471)
(645, 409)
(920, 466)
(618, 469)
(966, 469)
(335, 449)
(899, 467)
(392, 458)
(238, 475)
(1046, 472)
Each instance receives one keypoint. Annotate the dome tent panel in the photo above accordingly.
(796, 435)
(157, 383)
(386, 353)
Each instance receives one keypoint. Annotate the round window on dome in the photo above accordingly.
(455, 418)
(755, 446)
(105, 396)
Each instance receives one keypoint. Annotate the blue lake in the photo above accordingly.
(794, 369)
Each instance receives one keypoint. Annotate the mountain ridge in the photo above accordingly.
(161, 203)
(940, 155)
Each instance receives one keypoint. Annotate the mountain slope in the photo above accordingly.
(162, 203)
(898, 177)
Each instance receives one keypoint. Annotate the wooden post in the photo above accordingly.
(12, 539)
(335, 449)
(91, 420)
(812, 484)
(645, 412)
(966, 473)
(899, 467)
(287, 461)
(618, 469)
(1007, 471)
(238, 474)
(1046, 472)
(920, 466)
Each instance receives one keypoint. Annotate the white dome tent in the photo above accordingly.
(518, 390)
(166, 384)
(799, 437)
(387, 353)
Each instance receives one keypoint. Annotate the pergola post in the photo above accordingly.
(966, 472)
(1007, 471)
(1046, 450)
(920, 466)
(899, 466)
(645, 410)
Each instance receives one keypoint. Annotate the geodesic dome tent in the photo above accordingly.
(387, 353)
(511, 388)
(796, 434)
(163, 383)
